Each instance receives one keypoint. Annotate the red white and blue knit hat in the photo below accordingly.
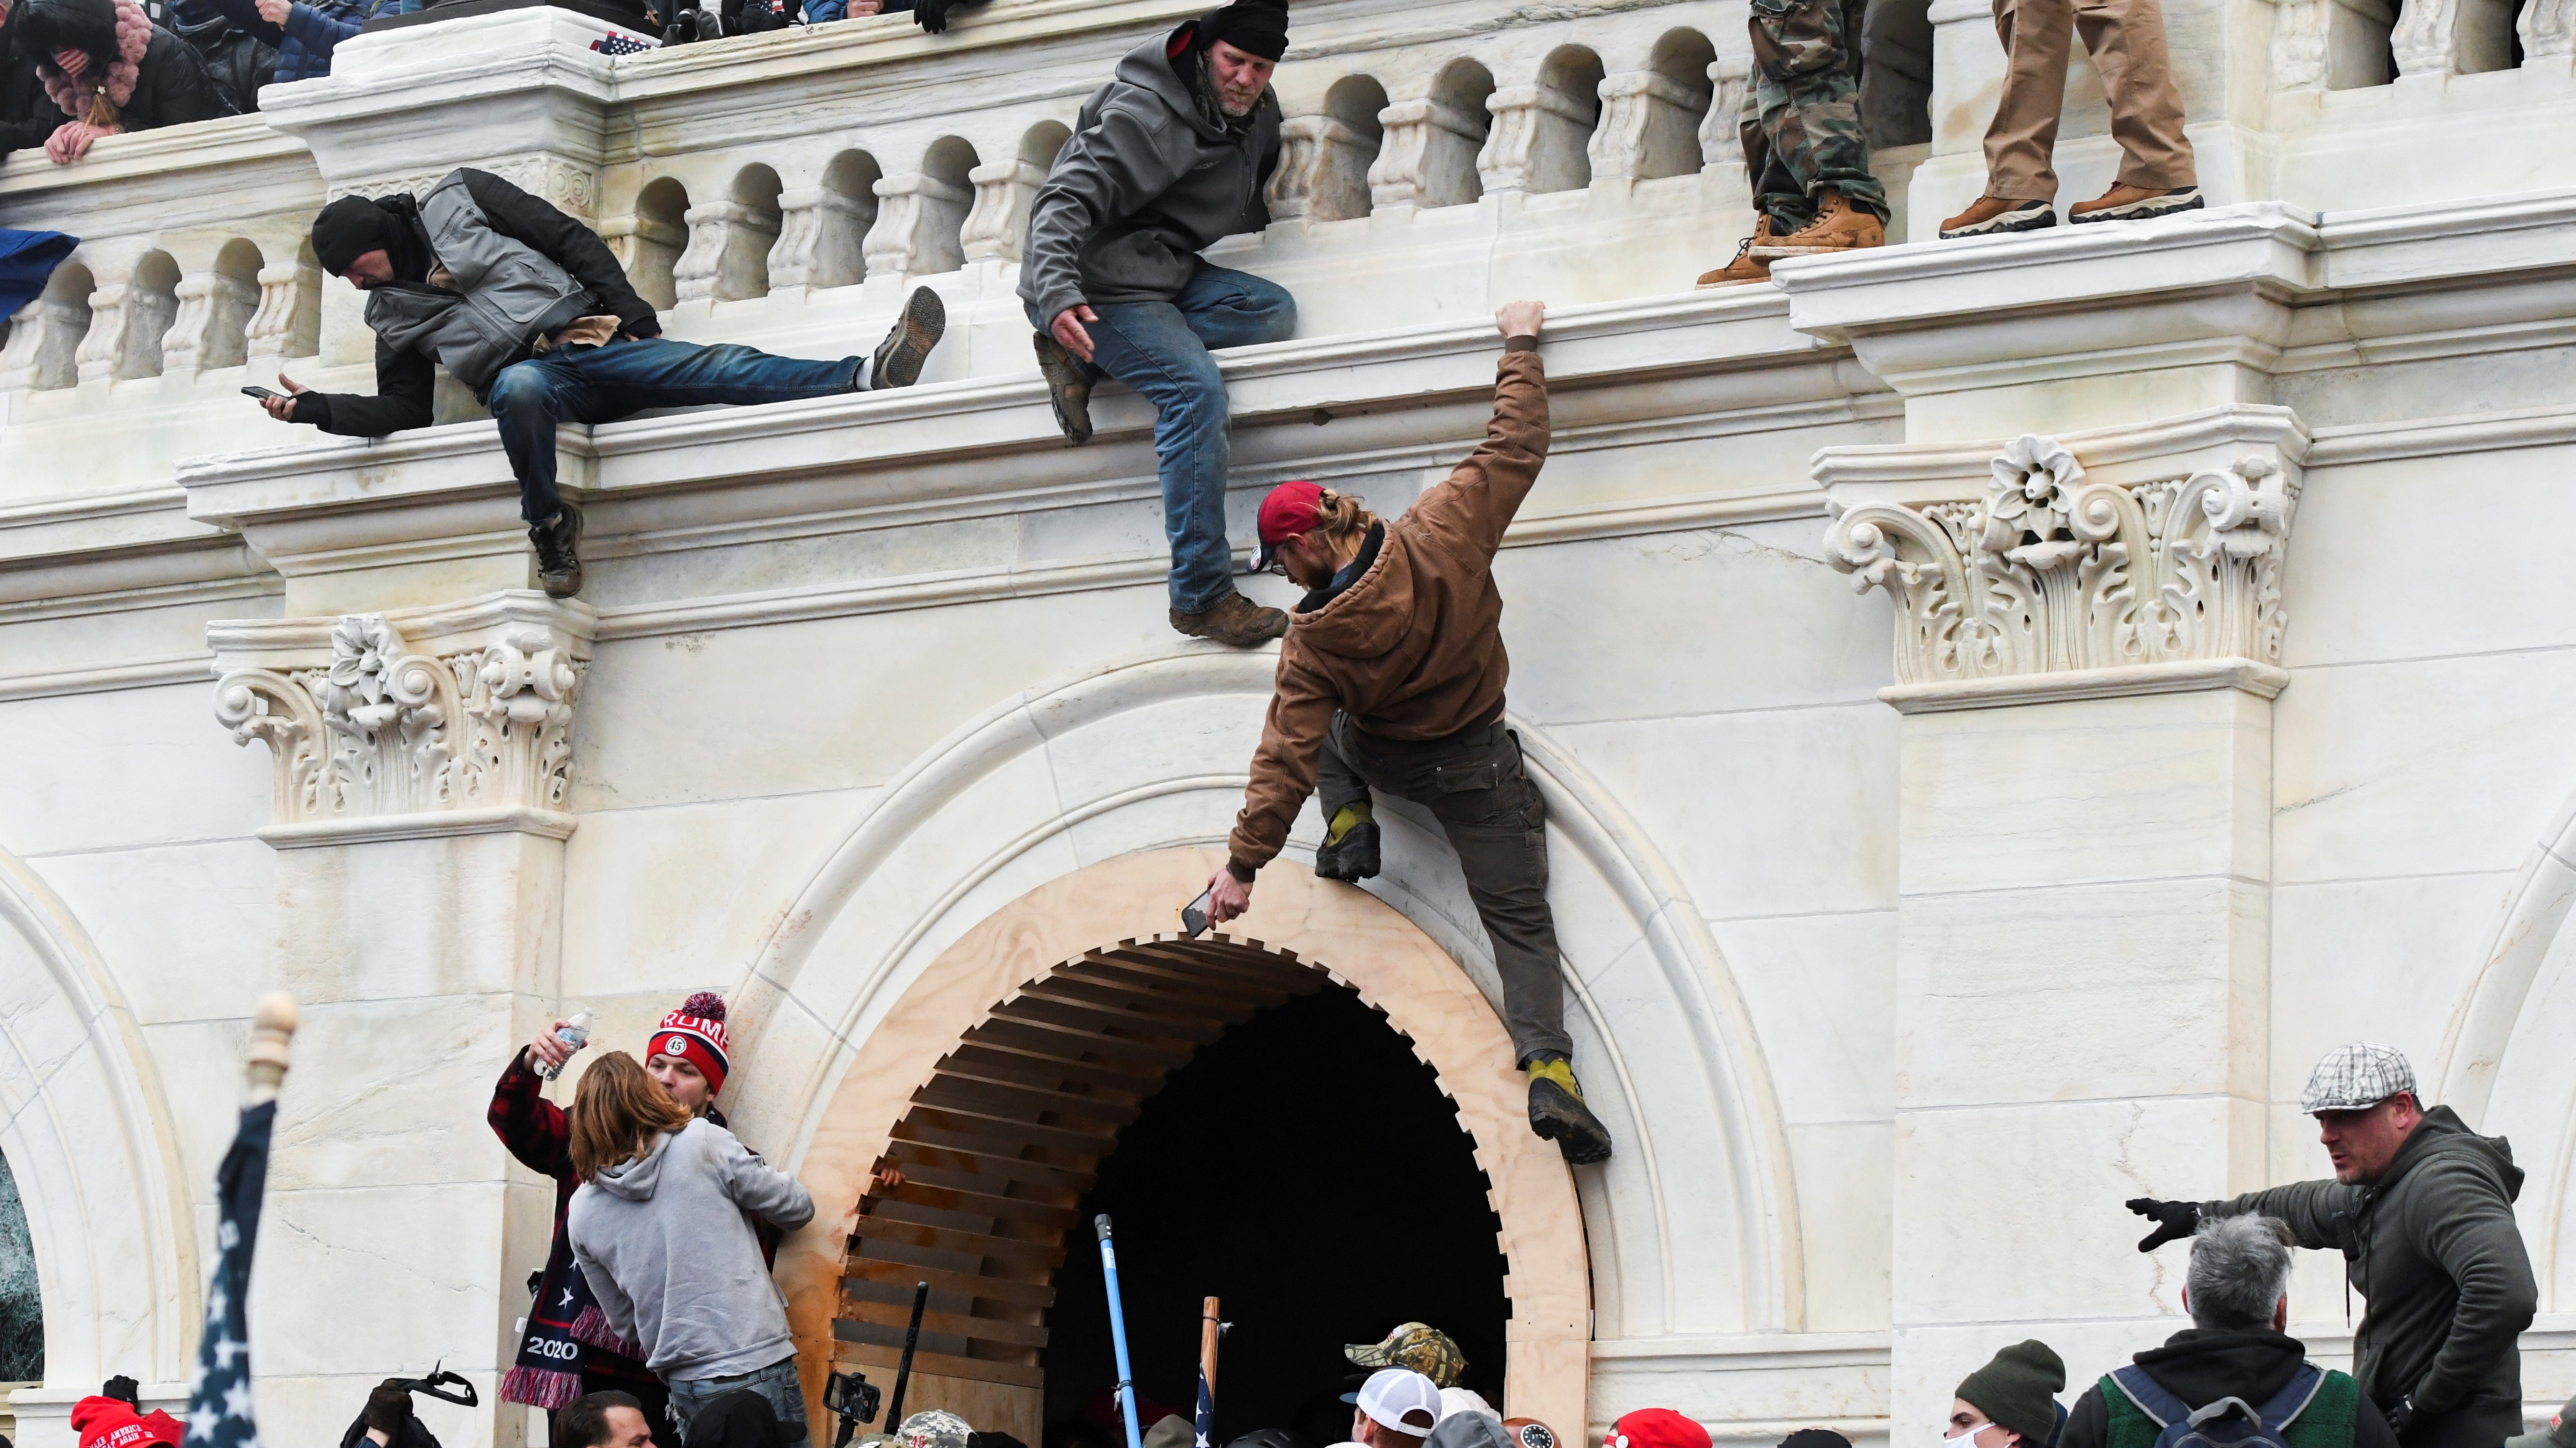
(695, 1033)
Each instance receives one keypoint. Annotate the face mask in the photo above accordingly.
(1968, 1439)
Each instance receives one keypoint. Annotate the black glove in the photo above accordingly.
(2174, 1220)
(387, 1407)
(2402, 1417)
(125, 1390)
(931, 14)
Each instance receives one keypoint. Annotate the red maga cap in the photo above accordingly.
(1290, 509)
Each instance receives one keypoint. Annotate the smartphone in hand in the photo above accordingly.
(262, 393)
(1194, 915)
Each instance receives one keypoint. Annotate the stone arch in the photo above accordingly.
(1144, 758)
(85, 1128)
(1095, 1019)
(661, 233)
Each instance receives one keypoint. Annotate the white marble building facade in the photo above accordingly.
(2006, 707)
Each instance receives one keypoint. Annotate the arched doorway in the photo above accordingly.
(1030, 975)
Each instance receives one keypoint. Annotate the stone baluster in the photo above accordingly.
(1000, 218)
(127, 319)
(1649, 127)
(1323, 170)
(44, 338)
(819, 237)
(1721, 133)
(728, 255)
(919, 218)
(1429, 155)
(2548, 31)
(1537, 140)
(288, 319)
(211, 330)
(2452, 37)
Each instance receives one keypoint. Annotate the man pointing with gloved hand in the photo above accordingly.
(2422, 1209)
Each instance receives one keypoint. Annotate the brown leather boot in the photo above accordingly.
(1746, 267)
(2135, 203)
(1837, 227)
(1996, 216)
(1236, 621)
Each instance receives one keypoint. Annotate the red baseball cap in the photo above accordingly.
(1655, 1428)
(1288, 510)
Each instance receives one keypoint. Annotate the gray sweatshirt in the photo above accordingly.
(1145, 184)
(669, 1253)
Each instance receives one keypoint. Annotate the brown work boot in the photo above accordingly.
(1746, 267)
(2135, 203)
(1837, 228)
(1236, 621)
(1996, 216)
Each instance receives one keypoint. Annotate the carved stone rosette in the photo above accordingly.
(448, 720)
(2051, 573)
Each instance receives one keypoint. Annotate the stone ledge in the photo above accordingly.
(2193, 676)
(421, 825)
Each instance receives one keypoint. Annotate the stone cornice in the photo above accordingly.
(2194, 676)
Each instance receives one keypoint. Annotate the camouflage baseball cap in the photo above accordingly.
(2357, 1076)
(1416, 1345)
(932, 1428)
(2561, 1432)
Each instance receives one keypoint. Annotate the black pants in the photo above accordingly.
(1474, 784)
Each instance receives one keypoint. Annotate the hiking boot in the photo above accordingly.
(1068, 387)
(1746, 267)
(1995, 216)
(1557, 1113)
(2135, 203)
(899, 357)
(1837, 228)
(555, 539)
(1349, 851)
(1236, 621)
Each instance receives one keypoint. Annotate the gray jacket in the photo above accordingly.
(1145, 184)
(2433, 1248)
(668, 1250)
(507, 293)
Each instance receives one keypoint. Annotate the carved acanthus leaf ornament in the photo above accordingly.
(382, 729)
(2051, 573)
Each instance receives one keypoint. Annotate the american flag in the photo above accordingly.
(219, 1408)
(1206, 1414)
(614, 44)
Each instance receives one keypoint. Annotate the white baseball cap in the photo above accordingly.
(1454, 1401)
(1401, 1399)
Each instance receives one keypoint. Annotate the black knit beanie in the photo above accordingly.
(348, 229)
(1256, 27)
(2019, 1390)
(1815, 1438)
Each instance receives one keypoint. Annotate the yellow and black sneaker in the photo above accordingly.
(1349, 851)
(1557, 1113)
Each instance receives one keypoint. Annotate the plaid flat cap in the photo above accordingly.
(2362, 1074)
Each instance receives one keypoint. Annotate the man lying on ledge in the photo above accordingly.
(521, 303)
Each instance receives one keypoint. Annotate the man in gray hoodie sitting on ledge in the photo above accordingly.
(1171, 156)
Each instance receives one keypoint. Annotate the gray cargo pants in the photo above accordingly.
(1473, 783)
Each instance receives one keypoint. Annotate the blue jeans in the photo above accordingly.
(776, 1382)
(605, 383)
(1161, 350)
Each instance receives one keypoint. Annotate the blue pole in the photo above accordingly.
(1118, 1331)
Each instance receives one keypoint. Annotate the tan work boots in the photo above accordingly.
(1838, 227)
(1746, 267)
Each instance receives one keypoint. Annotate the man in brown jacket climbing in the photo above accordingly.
(1391, 678)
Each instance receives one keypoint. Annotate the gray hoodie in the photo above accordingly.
(1145, 184)
(668, 1250)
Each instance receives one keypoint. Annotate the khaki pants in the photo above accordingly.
(2126, 39)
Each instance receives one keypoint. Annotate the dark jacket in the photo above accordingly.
(311, 32)
(2201, 1365)
(405, 377)
(2433, 1248)
(27, 114)
(1144, 185)
(1414, 649)
(170, 85)
(237, 62)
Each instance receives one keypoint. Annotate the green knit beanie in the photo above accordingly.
(2018, 1390)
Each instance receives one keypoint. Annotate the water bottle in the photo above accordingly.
(574, 1033)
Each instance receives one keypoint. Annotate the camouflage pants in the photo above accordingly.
(1801, 125)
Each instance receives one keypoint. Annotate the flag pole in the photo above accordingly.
(271, 1028)
(1210, 1329)
(1118, 1331)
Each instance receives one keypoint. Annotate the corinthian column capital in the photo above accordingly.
(453, 719)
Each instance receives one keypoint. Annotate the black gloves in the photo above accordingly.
(125, 1390)
(2402, 1416)
(931, 15)
(387, 1407)
(2174, 1220)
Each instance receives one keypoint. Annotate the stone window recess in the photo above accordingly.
(22, 1313)
(380, 729)
(2050, 572)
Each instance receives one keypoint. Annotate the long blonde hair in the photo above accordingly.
(1339, 518)
(616, 1113)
